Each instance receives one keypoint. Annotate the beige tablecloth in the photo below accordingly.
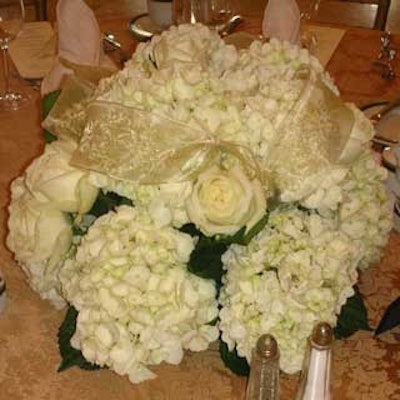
(364, 368)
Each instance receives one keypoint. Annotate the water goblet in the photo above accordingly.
(213, 13)
(12, 13)
(308, 10)
(160, 12)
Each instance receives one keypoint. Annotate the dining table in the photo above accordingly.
(365, 366)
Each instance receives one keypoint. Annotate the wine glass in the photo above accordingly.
(220, 11)
(12, 13)
(213, 13)
(308, 10)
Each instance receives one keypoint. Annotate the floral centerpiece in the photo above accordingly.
(202, 192)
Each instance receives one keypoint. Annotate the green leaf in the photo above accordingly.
(244, 239)
(71, 357)
(391, 317)
(353, 317)
(236, 364)
(205, 260)
(213, 322)
(47, 104)
(190, 229)
(49, 137)
(106, 202)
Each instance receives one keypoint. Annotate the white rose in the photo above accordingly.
(50, 178)
(37, 232)
(223, 201)
(40, 237)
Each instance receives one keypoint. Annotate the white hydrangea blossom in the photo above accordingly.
(365, 214)
(240, 96)
(301, 268)
(107, 184)
(165, 203)
(138, 305)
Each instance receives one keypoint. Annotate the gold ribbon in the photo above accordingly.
(136, 145)
(130, 144)
(67, 118)
(312, 137)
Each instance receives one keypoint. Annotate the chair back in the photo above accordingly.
(381, 15)
(363, 13)
(381, 12)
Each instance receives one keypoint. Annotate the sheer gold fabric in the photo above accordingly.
(131, 144)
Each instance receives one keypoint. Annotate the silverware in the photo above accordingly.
(230, 25)
(386, 56)
(375, 118)
(388, 71)
(111, 44)
(381, 141)
(110, 40)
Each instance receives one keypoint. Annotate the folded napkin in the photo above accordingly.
(79, 42)
(282, 20)
(33, 50)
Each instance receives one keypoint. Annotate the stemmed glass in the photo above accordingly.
(12, 13)
(308, 9)
(219, 12)
(213, 13)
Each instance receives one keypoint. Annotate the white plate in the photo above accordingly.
(388, 128)
(143, 28)
(389, 159)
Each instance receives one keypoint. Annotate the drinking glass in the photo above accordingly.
(213, 13)
(160, 12)
(12, 15)
(308, 10)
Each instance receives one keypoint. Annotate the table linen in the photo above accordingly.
(364, 367)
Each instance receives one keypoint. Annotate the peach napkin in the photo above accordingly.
(33, 50)
(79, 42)
(282, 20)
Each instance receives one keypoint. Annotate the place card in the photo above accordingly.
(33, 50)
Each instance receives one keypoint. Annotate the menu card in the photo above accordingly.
(33, 50)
